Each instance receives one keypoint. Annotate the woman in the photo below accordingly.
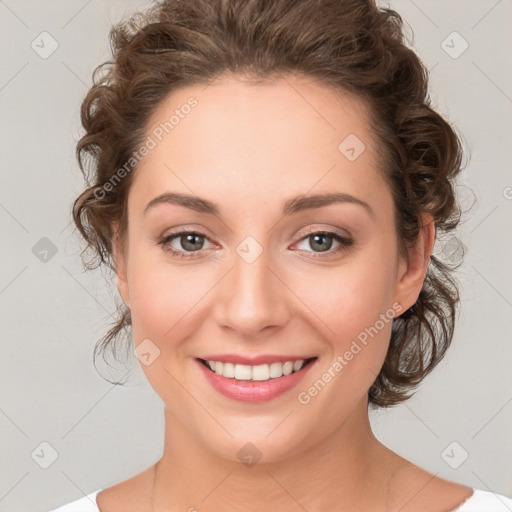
(268, 185)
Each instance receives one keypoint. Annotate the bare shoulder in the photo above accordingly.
(132, 494)
(414, 490)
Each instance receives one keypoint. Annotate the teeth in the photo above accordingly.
(258, 373)
(229, 370)
(242, 372)
(297, 365)
(218, 367)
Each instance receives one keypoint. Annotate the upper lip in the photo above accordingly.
(253, 361)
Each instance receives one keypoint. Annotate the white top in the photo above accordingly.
(85, 504)
(480, 501)
(485, 501)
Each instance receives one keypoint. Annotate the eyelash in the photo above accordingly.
(344, 242)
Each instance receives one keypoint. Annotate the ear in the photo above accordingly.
(411, 274)
(119, 257)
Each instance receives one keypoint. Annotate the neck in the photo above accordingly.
(350, 469)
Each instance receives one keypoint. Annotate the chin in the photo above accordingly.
(259, 444)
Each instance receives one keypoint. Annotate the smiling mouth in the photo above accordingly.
(262, 372)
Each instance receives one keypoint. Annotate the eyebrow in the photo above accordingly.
(294, 205)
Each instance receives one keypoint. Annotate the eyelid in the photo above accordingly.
(329, 230)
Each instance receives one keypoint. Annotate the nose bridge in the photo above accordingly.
(253, 297)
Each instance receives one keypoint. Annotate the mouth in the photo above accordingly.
(254, 383)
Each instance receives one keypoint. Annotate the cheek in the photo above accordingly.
(161, 297)
(351, 308)
(349, 298)
(165, 303)
(165, 297)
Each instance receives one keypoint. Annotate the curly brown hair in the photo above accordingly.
(351, 45)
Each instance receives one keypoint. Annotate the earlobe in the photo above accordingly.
(411, 275)
(120, 264)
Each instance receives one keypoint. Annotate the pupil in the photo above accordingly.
(189, 239)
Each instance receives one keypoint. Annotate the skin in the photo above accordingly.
(249, 148)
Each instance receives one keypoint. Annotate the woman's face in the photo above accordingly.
(255, 281)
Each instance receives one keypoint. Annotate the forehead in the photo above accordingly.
(273, 137)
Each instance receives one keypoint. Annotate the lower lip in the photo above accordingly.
(253, 391)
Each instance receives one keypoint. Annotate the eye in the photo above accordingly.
(189, 244)
(186, 243)
(322, 241)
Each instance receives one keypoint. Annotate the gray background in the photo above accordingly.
(53, 312)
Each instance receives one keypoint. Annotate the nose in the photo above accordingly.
(253, 297)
